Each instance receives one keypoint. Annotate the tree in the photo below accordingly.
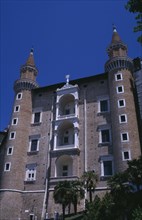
(90, 179)
(135, 6)
(92, 209)
(67, 193)
(121, 193)
(137, 214)
(77, 193)
(62, 194)
(135, 172)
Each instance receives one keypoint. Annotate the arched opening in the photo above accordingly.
(65, 134)
(64, 166)
(67, 105)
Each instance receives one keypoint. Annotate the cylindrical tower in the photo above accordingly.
(125, 137)
(18, 140)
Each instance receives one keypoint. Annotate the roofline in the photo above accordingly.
(75, 81)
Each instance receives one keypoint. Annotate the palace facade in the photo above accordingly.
(59, 131)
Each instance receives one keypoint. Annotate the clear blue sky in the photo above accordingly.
(69, 37)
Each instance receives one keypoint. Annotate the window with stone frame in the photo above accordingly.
(10, 150)
(121, 103)
(126, 155)
(12, 135)
(7, 166)
(118, 77)
(120, 89)
(124, 137)
(107, 168)
(19, 96)
(30, 175)
(104, 106)
(105, 136)
(37, 117)
(33, 143)
(123, 118)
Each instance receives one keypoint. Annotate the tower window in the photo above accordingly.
(121, 103)
(124, 137)
(19, 96)
(10, 151)
(123, 118)
(126, 155)
(120, 89)
(17, 108)
(7, 166)
(118, 77)
(12, 135)
(14, 121)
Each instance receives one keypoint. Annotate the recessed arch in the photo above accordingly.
(64, 166)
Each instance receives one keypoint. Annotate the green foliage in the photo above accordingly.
(90, 179)
(135, 6)
(67, 193)
(124, 201)
(134, 172)
(137, 214)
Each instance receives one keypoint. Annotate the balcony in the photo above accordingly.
(61, 117)
(55, 180)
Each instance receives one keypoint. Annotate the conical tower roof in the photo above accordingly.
(116, 45)
(30, 64)
(30, 60)
(115, 36)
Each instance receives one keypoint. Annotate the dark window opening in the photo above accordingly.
(37, 117)
(105, 136)
(107, 168)
(104, 106)
(34, 145)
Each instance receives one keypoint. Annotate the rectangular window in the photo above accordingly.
(65, 170)
(106, 165)
(105, 136)
(107, 168)
(103, 105)
(118, 77)
(123, 118)
(120, 89)
(34, 145)
(124, 137)
(37, 117)
(10, 151)
(19, 96)
(66, 140)
(12, 135)
(7, 166)
(14, 121)
(17, 108)
(30, 172)
(126, 155)
(121, 103)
